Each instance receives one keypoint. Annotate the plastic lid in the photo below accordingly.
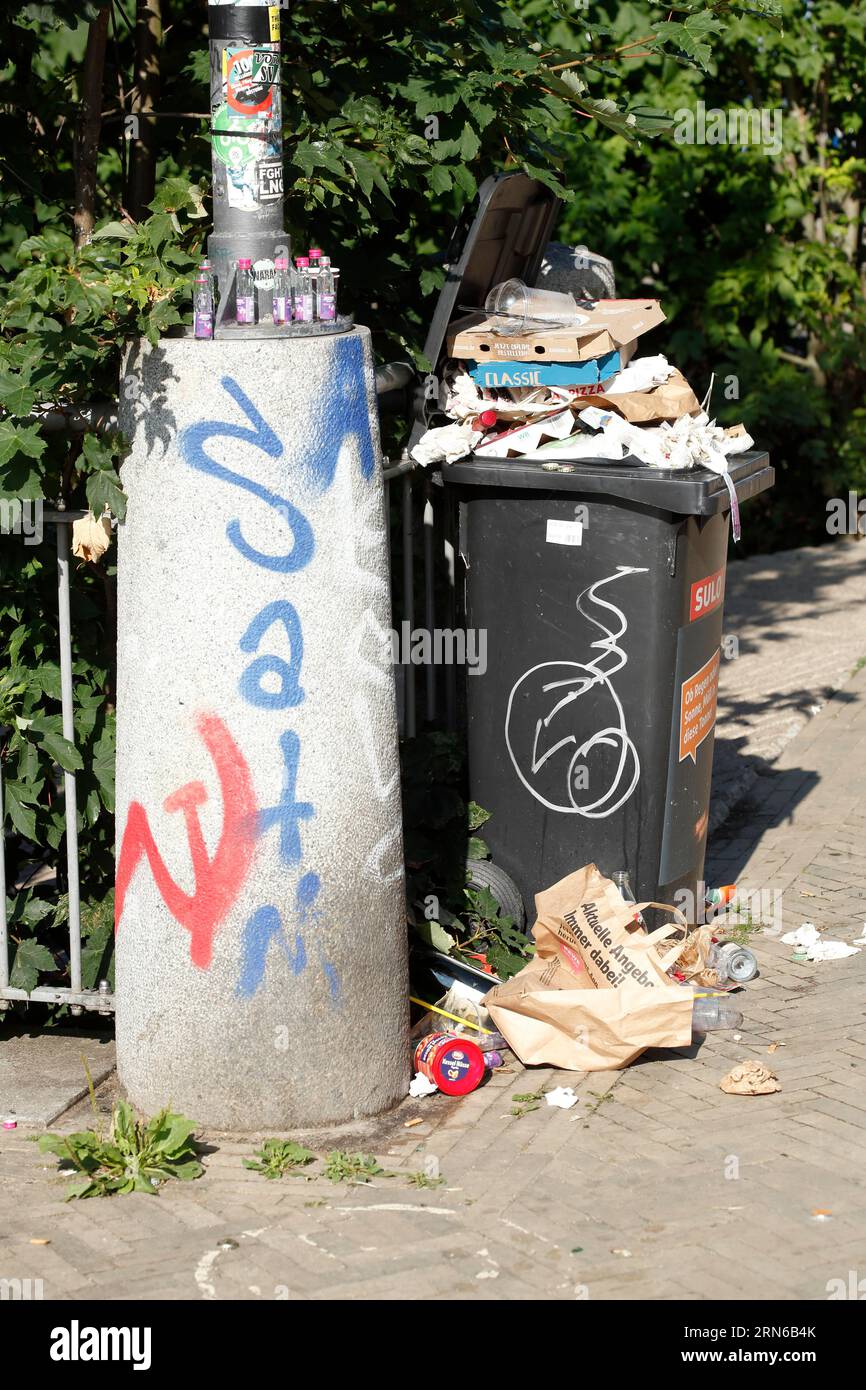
(315, 251)
(281, 263)
(302, 260)
(244, 263)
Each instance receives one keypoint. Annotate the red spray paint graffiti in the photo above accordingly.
(218, 881)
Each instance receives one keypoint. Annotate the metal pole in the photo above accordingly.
(409, 598)
(71, 800)
(246, 147)
(4, 944)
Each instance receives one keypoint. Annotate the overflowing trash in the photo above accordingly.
(601, 989)
(542, 376)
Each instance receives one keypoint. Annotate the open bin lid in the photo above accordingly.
(502, 239)
(686, 492)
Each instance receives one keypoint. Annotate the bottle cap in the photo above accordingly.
(281, 263)
(302, 261)
(487, 418)
(244, 263)
(315, 251)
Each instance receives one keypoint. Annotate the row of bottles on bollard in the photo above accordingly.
(303, 293)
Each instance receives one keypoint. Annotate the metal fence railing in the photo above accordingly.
(73, 994)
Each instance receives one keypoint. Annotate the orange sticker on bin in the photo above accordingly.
(698, 696)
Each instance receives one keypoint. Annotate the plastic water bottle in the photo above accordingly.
(282, 291)
(304, 297)
(202, 306)
(327, 300)
(315, 256)
(245, 292)
(710, 1014)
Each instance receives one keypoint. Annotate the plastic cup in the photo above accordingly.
(524, 305)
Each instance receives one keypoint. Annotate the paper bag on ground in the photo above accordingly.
(596, 995)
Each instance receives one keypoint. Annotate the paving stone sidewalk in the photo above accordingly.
(657, 1185)
(796, 618)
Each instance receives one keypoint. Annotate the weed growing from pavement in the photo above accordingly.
(353, 1168)
(424, 1180)
(279, 1156)
(137, 1156)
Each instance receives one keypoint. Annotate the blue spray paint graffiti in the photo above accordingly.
(346, 416)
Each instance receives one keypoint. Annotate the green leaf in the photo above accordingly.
(60, 749)
(117, 231)
(29, 959)
(22, 817)
(435, 935)
(103, 490)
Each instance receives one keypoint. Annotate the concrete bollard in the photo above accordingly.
(261, 938)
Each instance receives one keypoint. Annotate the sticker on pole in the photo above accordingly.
(270, 180)
(249, 75)
(564, 532)
(707, 595)
(698, 697)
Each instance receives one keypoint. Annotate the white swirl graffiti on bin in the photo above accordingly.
(556, 694)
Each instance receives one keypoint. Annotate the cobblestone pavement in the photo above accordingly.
(657, 1185)
(796, 618)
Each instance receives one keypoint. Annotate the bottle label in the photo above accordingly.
(246, 309)
(203, 324)
(327, 307)
(304, 308)
(280, 308)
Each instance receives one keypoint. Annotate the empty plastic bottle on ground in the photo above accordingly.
(711, 1014)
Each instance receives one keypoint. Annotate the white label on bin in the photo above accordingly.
(564, 532)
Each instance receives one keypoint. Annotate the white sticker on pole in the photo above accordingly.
(564, 532)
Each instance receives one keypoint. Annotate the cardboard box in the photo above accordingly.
(606, 324)
(590, 374)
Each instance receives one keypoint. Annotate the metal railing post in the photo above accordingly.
(70, 792)
(4, 942)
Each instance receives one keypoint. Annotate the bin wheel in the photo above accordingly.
(483, 873)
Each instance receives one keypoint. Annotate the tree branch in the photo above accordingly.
(88, 127)
(148, 46)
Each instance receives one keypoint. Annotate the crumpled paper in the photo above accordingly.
(562, 1097)
(446, 444)
(641, 375)
(91, 537)
(694, 441)
(807, 938)
(750, 1079)
(421, 1085)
